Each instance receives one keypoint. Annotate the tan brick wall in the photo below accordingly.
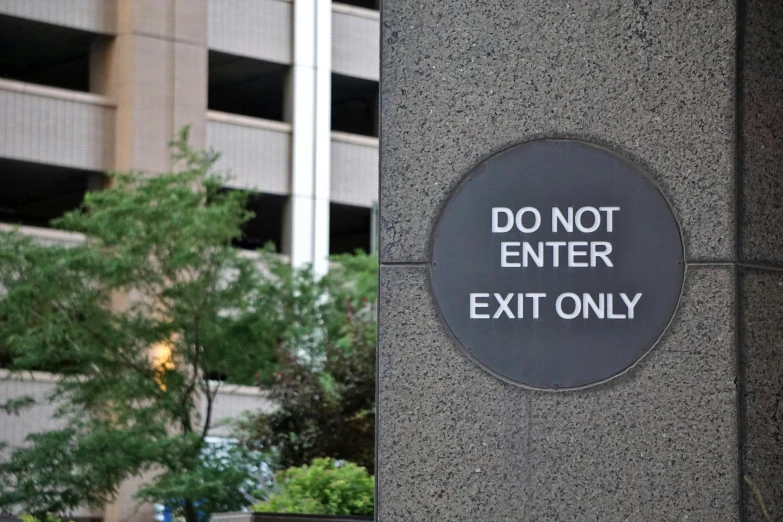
(259, 29)
(256, 153)
(354, 169)
(231, 402)
(355, 41)
(56, 126)
(97, 16)
(14, 429)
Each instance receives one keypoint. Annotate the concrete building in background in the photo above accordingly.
(285, 90)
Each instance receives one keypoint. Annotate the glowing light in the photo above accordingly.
(161, 361)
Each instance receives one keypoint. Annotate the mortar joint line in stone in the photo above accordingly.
(740, 264)
(761, 266)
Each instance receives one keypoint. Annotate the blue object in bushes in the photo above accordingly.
(168, 515)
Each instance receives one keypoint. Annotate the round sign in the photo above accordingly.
(556, 264)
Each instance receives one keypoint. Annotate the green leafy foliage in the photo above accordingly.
(326, 487)
(49, 517)
(141, 318)
(326, 393)
(226, 464)
(134, 319)
(15, 405)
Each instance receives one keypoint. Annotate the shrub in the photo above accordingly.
(50, 517)
(326, 487)
(327, 399)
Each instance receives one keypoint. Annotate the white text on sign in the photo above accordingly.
(566, 253)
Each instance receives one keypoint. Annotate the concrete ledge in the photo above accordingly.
(27, 376)
(275, 517)
(362, 12)
(355, 139)
(247, 121)
(47, 235)
(54, 92)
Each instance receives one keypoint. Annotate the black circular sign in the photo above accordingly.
(556, 264)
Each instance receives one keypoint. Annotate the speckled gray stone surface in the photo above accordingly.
(659, 443)
(761, 323)
(652, 79)
(761, 214)
(452, 439)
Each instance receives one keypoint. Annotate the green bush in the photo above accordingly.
(326, 487)
(50, 517)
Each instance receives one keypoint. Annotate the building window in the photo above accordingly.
(246, 86)
(45, 54)
(34, 194)
(354, 105)
(267, 225)
(367, 4)
(349, 229)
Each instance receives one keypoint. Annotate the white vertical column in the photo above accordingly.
(306, 233)
(323, 133)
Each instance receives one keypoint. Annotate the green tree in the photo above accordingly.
(326, 398)
(136, 319)
(326, 487)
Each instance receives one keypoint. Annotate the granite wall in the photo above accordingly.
(760, 171)
(658, 82)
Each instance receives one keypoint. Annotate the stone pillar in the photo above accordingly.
(156, 71)
(308, 107)
(656, 81)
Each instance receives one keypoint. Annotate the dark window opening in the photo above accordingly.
(59, 364)
(367, 4)
(45, 54)
(354, 105)
(6, 357)
(34, 194)
(267, 224)
(246, 86)
(216, 375)
(8, 361)
(349, 229)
